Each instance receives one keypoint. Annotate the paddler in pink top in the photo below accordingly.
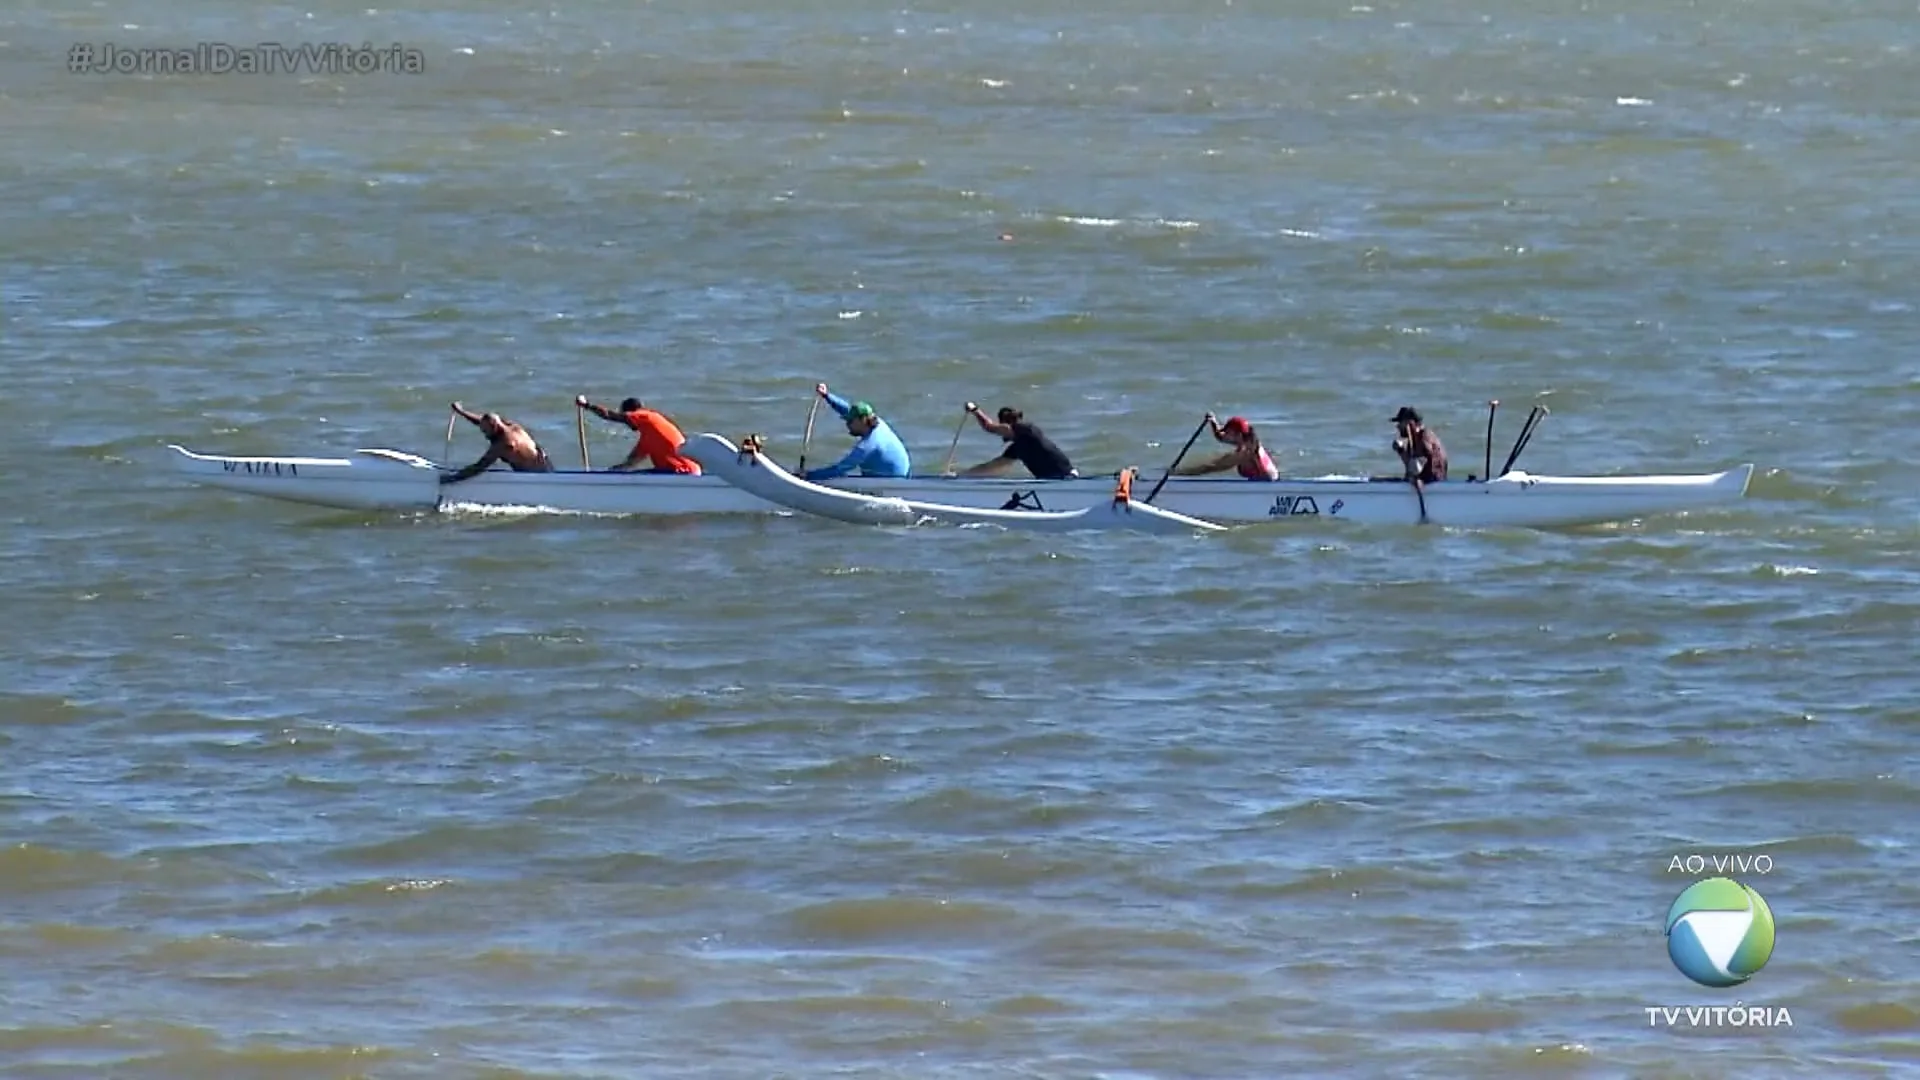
(1247, 457)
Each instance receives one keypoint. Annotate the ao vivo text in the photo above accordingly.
(1721, 864)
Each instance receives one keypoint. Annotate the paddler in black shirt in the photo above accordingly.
(1026, 444)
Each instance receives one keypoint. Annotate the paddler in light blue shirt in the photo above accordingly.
(879, 451)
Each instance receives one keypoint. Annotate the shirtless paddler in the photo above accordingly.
(506, 441)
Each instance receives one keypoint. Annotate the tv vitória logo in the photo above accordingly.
(1719, 932)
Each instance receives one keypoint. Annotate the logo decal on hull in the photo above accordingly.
(1335, 508)
(1024, 500)
(1296, 506)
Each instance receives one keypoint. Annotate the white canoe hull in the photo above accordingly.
(755, 473)
(392, 480)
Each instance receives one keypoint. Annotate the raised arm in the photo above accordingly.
(466, 414)
(600, 411)
(991, 427)
(839, 404)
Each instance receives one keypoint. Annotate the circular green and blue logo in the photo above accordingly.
(1719, 932)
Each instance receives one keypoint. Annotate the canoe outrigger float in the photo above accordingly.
(391, 480)
(748, 469)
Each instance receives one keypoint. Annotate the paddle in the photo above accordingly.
(446, 452)
(954, 446)
(1417, 490)
(807, 439)
(580, 427)
(1194, 438)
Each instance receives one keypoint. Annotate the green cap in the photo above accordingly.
(860, 411)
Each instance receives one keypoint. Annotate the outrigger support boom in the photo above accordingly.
(1534, 417)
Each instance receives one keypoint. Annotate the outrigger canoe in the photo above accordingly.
(746, 468)
(380, 480)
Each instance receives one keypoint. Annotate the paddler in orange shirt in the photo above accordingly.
(659, 441)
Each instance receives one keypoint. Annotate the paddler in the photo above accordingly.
(1419, 448)
(659, 443)
(879, 451)
(506, 441)
(1026, 444)
(1248, 457)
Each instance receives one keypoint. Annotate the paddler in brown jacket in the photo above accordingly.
(1419, 448)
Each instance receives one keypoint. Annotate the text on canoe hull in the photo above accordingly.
(262, 468)
(1302, 506)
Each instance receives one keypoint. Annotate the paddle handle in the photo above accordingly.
(1194, 438)
(954, 446)
(446, 452)
(806, 440)
(1486, 470)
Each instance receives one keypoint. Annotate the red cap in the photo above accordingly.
(1238, 425)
